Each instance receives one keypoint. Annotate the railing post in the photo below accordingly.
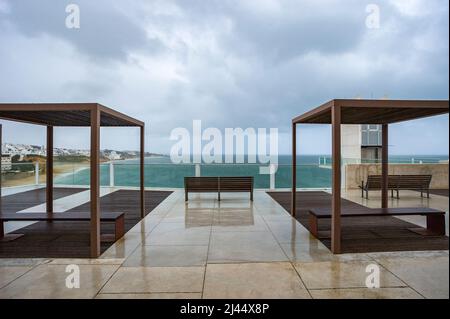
(272, 176)
(197, 170)
(111, 174)
(36, 173)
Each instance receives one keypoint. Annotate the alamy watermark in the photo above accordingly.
(212, 146)
(73, 17)
(373, 17)
(73, 277)
(373, 277)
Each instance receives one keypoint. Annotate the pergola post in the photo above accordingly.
(49, 171)
(294, 169)
(142, 171)
(1, 157)
(384, 166)
(336, 180)
(95, 182)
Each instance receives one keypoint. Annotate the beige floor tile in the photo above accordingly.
(229, 201)
(168, 256)
(409, 254)
(428, 276)
(185, 210)
(238, 220)
(147, 225)
(178, 234)
(291, 232)
(277, 217)
(23, 261)
(10, 273)
(124, 246)
(189, 295)
(197, 201)
(86, 261)
(244, 247)
(49, 281)
(190, 221)
(316, 251)
(365, 293)
(155, 279)
(191, 217)
(236, 230)
(255, 280)
(339, 274)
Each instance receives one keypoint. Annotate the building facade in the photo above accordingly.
(361, 143)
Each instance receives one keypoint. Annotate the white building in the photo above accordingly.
(361, 143)
(113, 156)
(6, 162)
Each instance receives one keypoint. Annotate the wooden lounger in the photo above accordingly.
(396, 183)
(226, 184)
(435, 218)
(117, 218)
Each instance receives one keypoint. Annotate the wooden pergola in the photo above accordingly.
(91, 115)
(357, 111)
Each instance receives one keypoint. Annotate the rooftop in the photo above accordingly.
(229, 249)
(64, 114)
(358, 111)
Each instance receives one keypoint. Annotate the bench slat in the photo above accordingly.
(225, 184)
(403, 211)
(75, 216)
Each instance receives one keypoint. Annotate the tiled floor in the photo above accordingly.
(231, 249)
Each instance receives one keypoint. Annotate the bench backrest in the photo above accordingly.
(214, 184)
(413, 181)
(236, 183)
(400, 181)
(375, 181)
(201, 184)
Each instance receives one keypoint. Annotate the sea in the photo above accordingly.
(313, 171)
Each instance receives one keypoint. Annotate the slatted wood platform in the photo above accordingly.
(20, 201)
(361, 234)
(72, 239)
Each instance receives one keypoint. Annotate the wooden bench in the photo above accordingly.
(117, 218)
(398, 182)
(226, 184)
(435, 218)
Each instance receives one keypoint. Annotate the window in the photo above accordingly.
(371, 135)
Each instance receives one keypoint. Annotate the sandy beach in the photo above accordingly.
(12, 179)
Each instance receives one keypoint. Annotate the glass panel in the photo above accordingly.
(373, 138)
(313, 171)
(365, 138)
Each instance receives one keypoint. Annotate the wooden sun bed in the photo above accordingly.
(226, 184)
(117, 218)
(435, 218)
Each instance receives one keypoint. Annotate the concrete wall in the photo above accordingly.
(351, 143)
(355, 173)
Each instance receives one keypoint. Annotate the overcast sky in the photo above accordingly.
(243, 63)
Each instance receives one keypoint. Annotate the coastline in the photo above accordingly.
(70, 171)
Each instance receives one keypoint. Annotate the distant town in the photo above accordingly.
(25, 153)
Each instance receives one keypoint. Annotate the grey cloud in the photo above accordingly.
(229, 63)
(105, 32)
